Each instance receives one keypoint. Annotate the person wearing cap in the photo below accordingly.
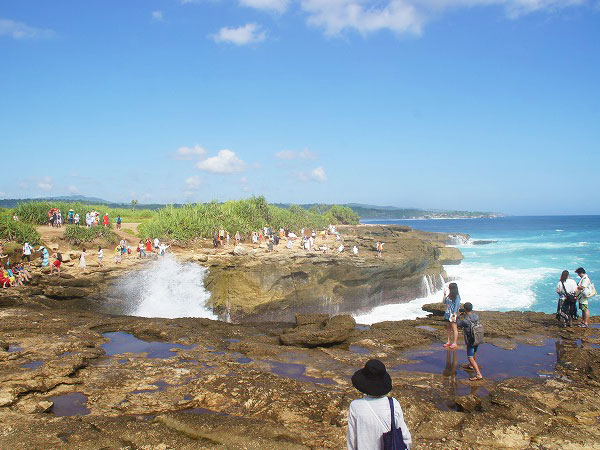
(370, 417)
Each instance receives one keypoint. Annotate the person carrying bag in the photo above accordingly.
(372, 419)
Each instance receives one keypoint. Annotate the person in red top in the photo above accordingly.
(148, 245)
(105, 219)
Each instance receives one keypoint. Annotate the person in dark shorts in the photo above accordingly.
(465, 321)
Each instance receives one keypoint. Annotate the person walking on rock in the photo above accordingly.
(371, 416)
(467, 322)
(452, 302)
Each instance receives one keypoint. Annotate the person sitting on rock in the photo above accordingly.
(371, 416)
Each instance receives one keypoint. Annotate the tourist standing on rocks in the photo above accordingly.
(452, 302)
(100, 256)
(148, 245)
(237, 237)
(76, 219)
(472, 339)
(56, 264)
(27, 249)
(585, 290)
(45, 255)
(118, 254)
(82, 260)
(105, 220)
(371, 416)
(567, 301)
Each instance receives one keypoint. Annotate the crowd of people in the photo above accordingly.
(307, 240)
(92, 219)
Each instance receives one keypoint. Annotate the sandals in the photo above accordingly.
(453, 346)
(475, 378)
(446, 345)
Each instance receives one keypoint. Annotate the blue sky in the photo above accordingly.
(456, 104)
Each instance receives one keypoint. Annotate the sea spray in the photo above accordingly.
(165, 288)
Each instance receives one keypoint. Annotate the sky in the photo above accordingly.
(487, 105)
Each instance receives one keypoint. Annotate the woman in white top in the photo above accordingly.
(370, 417)
(82, 260)
(566, 311)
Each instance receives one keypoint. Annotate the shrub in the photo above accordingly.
(81, 235)
(20, 232)
(188, 222)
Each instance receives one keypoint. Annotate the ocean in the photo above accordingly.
(518, 272)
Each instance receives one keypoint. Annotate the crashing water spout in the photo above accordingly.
(165, 288)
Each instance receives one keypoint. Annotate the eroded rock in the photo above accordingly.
(311, 331)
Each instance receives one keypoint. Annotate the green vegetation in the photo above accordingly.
(37, 212)
(189, 222)
(11, 230)
(82, 235)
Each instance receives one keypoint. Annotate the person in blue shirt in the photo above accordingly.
(452, 302)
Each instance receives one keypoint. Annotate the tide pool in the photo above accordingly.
(518, 272)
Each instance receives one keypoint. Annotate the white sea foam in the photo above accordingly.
(166, 288)
(486, 286)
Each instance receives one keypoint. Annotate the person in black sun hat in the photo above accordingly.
(370, 417)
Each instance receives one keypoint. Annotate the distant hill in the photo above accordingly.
(373, 212)
(366, 212)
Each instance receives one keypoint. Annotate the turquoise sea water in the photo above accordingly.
(519, 271)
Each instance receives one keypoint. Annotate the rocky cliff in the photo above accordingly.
(275, 286)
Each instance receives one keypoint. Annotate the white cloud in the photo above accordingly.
(292, 154)
(267, 5)
(46, 183)
(157, 15)
(72, 189)
(408, 16)
(192, 182)
(317, 174)
(187, 153)
(19, 30)
(286, 154)
(226, 161)
(250, 33)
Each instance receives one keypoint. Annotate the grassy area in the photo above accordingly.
(189, 222)
(82, 235)
(17, 231)
(37, 212)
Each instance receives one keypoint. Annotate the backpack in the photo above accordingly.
(475, 333)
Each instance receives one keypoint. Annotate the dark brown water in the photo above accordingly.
(72, 404)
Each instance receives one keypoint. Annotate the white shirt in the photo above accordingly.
(27, 249)
(355, 250)
(156, 242)
(585, 282)
(369, 418)
(100, 253)
(570, 284)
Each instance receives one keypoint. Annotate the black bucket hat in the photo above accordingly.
(372, 379)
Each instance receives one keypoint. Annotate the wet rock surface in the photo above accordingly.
(217, 385)
(318, 330)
